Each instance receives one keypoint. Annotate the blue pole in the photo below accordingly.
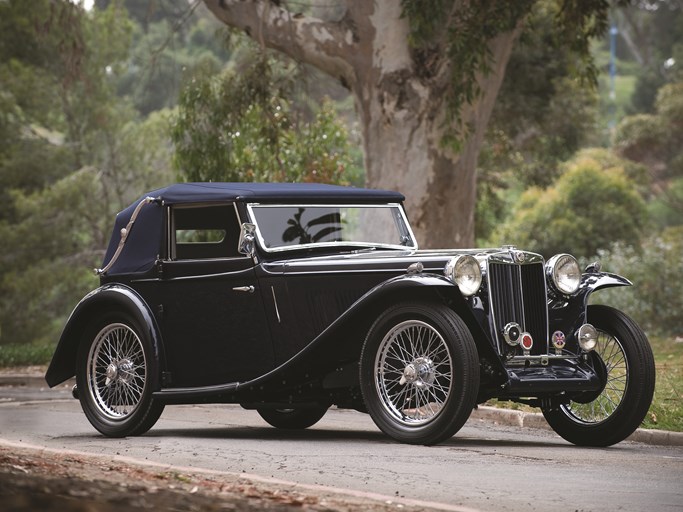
(613, 73)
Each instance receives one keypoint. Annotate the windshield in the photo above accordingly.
(282, 227)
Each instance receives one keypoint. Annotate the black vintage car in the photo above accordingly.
(291, 298)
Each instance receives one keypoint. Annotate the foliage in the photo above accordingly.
(160, 56)
(656, 141)
(74, 155)
(666, 411)
(656, 299)
(25, 354)
(45, 268)
(546, 119)
(239, 125)
(667, 208)
(149, 11)
(589, 207)
(653, 31)
(535, 124)
(470, 27)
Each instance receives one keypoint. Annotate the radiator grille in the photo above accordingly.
(517, 294)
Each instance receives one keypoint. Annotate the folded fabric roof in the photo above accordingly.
(284, 192)
(145, 238)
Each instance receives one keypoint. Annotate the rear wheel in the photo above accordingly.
(617, 411)
(419, 373)
(114, 368)
(292, 419)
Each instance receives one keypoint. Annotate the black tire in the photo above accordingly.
(115, 363)
(620, 408)
(292, 419)
(419, 373)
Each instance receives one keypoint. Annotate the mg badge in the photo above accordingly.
(520, 257)
(558, 340)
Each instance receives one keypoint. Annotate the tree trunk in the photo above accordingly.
(402, 115)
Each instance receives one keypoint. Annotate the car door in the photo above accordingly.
(213, 322)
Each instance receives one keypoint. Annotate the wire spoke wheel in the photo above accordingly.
(629, 383)
(603, 407)
(414, 372)
(419, 372)
(116, 371)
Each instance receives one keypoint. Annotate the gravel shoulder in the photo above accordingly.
(32, 479)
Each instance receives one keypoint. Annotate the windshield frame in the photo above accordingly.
(349, 244)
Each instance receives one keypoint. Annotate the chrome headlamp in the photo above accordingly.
(464, 271)
(587, 336)
(563, 273)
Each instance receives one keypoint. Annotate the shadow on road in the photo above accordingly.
(325, 435)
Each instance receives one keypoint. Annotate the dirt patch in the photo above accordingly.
(33, 480)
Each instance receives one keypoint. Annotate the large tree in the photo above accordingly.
(424, 76)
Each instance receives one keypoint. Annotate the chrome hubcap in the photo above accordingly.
(413, 372)
(111, 373)
(420, 372)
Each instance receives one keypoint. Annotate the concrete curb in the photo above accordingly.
(21, 380)
(536, 420)
(497, 415)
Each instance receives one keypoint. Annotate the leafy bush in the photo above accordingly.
(591, 205)
(656, 270)
(241, 125)
(26, 354)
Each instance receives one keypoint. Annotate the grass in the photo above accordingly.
(25, 354)
(666, 411)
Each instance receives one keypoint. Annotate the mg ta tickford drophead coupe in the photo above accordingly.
(291, 298)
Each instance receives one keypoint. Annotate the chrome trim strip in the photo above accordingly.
(397, 206)
(277, 310)
(521, 298)
(547, 357)
(194, 276)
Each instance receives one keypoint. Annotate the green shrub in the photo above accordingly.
(591, 205)
(656, 270)
(26, 354)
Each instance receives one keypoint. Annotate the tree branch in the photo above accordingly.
(328, 46)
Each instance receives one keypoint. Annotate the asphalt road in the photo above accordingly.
(484, 467)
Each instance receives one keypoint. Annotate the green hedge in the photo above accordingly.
(656, 270)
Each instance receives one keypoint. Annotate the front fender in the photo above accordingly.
(107, 298)
(598, 280)
(342, 341)
(568, 315)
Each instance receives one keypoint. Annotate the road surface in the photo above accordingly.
(484, 467)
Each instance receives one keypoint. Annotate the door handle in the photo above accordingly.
(248, 289)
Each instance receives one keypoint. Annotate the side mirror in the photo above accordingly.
(247, 243)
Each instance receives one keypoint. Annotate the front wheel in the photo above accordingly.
(630, 382)
(114, 368)
(292, 419)
(419, 373)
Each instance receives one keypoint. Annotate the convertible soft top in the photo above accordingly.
(284, 192)
(144, 240)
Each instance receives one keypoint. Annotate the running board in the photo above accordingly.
(204, 394)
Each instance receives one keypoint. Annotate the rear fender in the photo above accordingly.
(107, 298)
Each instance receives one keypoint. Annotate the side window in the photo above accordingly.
(205, 232)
